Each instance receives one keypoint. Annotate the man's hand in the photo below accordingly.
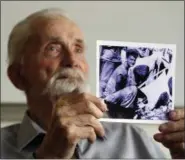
(172, 134)
(74, 117)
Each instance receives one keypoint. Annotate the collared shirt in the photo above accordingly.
(121, 141)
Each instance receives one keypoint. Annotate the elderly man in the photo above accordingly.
(47, 61)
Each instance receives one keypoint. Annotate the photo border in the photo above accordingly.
(135, 44)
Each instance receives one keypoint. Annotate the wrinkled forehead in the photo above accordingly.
(56, 28)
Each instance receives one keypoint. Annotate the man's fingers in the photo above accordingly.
(90, 120)
(172, 126)
(86, 133)
(81, 104)
(176, 137)
(177, 114)
(65, 111)
(83, 121)
(74, 133)
(97, 101)
(88, 107)
(92, 109)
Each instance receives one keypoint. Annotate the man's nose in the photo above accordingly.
(69, 60)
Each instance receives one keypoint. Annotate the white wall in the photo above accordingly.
(155, 22)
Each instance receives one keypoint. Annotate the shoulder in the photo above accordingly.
(9, 131)
(9, 140)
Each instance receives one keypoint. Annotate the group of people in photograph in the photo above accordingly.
(125, 75)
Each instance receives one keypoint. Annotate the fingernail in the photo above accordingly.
(102, 100)
(158, 137)
(103, 138)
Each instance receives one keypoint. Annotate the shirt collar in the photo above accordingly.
(27, 132)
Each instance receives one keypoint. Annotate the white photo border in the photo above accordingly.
(135, 44)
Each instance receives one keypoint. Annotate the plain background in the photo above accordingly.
(141, 21)
(153, 22)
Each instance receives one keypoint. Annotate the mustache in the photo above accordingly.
(66, 80)
(68, 73)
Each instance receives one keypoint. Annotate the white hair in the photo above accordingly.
(22, 31)
(66, 80)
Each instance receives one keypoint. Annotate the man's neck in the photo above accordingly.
(40, 110)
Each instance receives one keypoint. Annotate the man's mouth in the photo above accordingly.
(62, 77)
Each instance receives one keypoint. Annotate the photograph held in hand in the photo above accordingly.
(136, 80)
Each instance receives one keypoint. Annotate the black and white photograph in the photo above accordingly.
(136, 80)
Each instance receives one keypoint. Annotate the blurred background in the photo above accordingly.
(130, 21)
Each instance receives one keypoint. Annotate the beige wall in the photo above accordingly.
(135, 21)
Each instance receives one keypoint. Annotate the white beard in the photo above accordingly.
(66, 81)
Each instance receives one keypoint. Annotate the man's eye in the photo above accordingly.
(53, 50)
(78, 50)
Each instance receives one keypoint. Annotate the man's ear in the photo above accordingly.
(16, 77)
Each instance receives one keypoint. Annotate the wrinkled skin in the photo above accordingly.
(75, 117)
(172, 134)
